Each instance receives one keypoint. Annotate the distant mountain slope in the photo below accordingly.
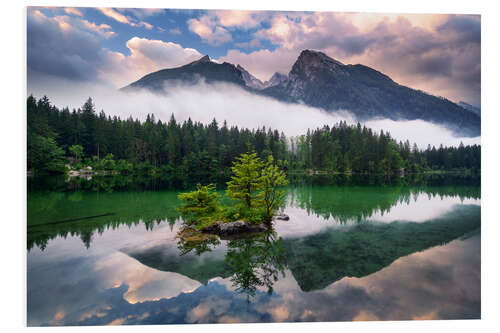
(470, 108)
(320, 81)
(193, 72)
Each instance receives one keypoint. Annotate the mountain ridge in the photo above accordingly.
(320, 81)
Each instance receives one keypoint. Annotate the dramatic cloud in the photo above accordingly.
(145, 56)
(439, 54)
(72, 48)
(64, 46)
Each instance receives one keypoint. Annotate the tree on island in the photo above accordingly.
(270, 182)
(200, 206)
(255, 186)
(246, 179)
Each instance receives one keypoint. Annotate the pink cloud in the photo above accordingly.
(119, 17)
(206, 27)
(73, 11)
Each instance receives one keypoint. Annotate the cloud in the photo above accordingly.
(241, 108)
(146, 56)
(142, 13)
(162, 53)
(206, 27)
(263, 63)
(175, 31)
(243, 19)
(70, 47)
(64, 46)
(73, 11)
(439, 54)
(117, 16)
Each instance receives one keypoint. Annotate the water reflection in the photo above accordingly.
(440, 283)
(256, 262)
(91, 213)
(355, 252)
(320, 259)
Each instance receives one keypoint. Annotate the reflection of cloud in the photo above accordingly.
(421, 208)
(440, 283)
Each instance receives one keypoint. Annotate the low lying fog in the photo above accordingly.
(205, 102)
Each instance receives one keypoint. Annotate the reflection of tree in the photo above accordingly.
(190, 239)
(256, 262)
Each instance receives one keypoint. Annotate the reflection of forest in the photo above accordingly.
(346, 203)
(317, 260)
(340, 197)
(130, 208)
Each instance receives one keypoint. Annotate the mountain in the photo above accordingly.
(202, 69)
(206, 69)
(250, 80)
(253, 82)
(320, 81)
(470, 108)
(276, 79)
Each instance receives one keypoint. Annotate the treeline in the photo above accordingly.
(188, 149)
(358, 149)
(204, 152)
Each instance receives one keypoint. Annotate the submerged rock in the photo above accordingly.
(233, 228)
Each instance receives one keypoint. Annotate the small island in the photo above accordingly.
(255, 193)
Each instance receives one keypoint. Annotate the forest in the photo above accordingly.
(84, 137)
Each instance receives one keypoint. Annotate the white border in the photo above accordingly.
(13, 53)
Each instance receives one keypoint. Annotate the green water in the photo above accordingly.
(110, 254)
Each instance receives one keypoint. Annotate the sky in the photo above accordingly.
(437, 53)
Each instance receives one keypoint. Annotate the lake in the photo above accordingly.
(105, 251)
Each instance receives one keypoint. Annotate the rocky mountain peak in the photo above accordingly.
(316, 59)
(276, 79)
(204, 59)
(250, 80)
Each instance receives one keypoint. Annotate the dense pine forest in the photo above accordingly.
(83, 137)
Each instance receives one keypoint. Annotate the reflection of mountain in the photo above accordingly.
(251, 262)
(319, 260)
(197, 267)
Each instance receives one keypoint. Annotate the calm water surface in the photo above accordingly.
(348, 252)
